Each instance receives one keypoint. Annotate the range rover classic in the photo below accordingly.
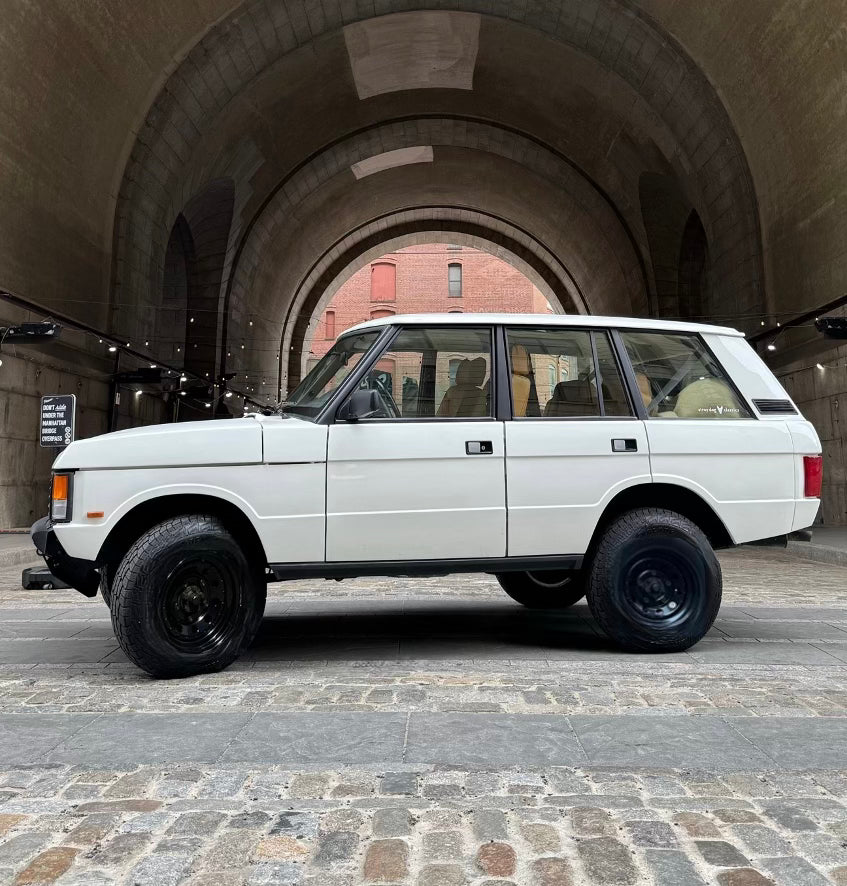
(569, 456)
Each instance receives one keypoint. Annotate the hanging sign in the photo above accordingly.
(57, 420)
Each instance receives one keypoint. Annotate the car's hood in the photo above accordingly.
(235, 441)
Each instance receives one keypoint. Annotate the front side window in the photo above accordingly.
(678, 377)
(436, 373)
(312, 394)
(564, 373)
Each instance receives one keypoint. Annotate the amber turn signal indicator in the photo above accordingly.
(94, 515)
(59, 499)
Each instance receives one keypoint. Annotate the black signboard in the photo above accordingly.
(57, 420)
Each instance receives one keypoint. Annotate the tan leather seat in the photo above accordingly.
(572, 398)
(468, 398)
(521, 379)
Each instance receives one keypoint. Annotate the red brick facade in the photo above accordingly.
(416, 280)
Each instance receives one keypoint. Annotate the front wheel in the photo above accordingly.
(185, 600)
(655, 582)
(553, 589)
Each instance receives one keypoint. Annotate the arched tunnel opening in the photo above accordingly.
(606, 153)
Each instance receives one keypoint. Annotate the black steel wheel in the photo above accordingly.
(655, 583)
(544, 589)
(185, 600)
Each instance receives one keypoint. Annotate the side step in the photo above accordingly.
(40, 578)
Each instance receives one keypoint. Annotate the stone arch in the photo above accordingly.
(440, 132)
(412, 227)
(620, 37)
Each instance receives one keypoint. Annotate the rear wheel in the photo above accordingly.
(185, 600)
(553, 589)
(655, 582)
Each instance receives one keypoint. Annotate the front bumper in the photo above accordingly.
(79, 574)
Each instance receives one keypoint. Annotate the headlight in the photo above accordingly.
(60, 498)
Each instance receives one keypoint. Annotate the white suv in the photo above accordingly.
(570, 456)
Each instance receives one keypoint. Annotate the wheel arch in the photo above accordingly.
(151, 512)
(672, 497)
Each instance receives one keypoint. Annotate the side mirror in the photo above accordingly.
(363, 403)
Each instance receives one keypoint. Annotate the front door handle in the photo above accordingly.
(479, 447)
(624, 445)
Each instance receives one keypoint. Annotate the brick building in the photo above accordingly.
(431, 278)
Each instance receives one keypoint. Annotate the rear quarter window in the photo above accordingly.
(679, 378)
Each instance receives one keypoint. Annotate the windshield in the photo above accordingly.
(312, 394)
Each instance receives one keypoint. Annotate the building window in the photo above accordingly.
(379, 313)
(329, 325)
(383, 282)
(454, 280)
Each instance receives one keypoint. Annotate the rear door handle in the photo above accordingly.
(624, 445)
(479, 447)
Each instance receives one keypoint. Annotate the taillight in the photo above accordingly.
(60, 498)
(812, 475)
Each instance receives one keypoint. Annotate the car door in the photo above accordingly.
(574, 440)
(423, 478)
(703, 436)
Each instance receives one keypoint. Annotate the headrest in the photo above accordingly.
(520, 361)
(707, 398)
(575, 391)
(471, 372)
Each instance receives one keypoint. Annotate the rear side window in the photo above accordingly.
(678, 377)
(564, 373)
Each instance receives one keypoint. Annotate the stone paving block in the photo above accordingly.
(761, 841)
(839, 876)
(399, 784)
(496, 859)
(795, 871)
(442, 875)
(92, 829)
(489, 824)
(386, 861)
(703, 742)
(655, 834)
(48, 866)
(743, 877)
(9, 822)
(280, 873)
(281, 848)
(492, 739)
(443, 846)
(798, 743)
(19, 849)
(543, 838)
(345, 738)
(719, 853)
(391, 823)
(552, 871)
(591, 821)
(338, 847)
(159, 870)
(25, 738)
(133, 738)
(790, 817)
(671, 867)
(607, 861)
(121, 849)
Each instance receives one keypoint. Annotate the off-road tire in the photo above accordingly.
(185, 599)
(544, 589)
(655, 582)
(107, 578)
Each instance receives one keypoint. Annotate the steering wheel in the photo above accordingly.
(386, 399)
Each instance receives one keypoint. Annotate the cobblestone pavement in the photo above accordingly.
(432, 733)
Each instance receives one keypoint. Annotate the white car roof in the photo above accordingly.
(543, 320)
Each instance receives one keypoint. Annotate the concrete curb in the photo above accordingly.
(818, 553)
